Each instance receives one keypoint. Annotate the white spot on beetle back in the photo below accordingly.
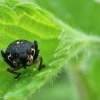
(18, 42)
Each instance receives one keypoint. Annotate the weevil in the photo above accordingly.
(20, 54)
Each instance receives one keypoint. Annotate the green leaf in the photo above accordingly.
(74, 49)
(26, 21)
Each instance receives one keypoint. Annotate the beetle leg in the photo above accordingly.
(12, 70)
(36, 50)
(3, 54)
(6, 60)
(40, 65)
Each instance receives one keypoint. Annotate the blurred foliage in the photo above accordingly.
(83, 15)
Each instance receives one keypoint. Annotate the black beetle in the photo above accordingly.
(20, 54)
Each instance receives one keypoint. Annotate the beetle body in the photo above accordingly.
(20, 54)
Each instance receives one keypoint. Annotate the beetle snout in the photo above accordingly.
(23, 58)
